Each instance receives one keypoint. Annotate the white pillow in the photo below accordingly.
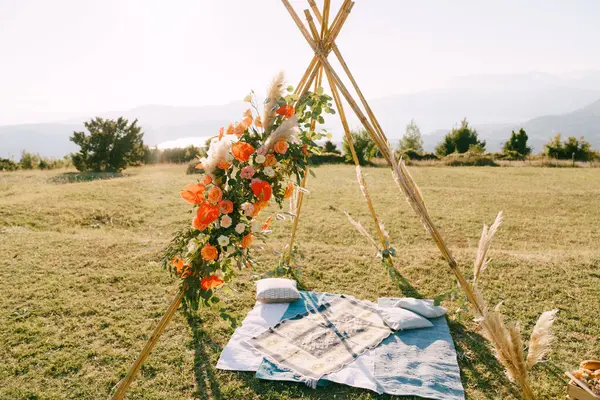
(401, 319)
(423, 307)
(276, 290)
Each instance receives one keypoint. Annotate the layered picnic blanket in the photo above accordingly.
(323, 339)
(420, 362)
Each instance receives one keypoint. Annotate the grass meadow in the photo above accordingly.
(81, 287)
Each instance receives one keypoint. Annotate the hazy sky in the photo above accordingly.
(62, 58)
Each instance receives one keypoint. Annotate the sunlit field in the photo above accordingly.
(81, 285)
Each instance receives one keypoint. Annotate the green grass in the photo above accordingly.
(81, 287)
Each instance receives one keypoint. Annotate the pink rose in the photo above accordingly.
(261, 150)
(247, 172)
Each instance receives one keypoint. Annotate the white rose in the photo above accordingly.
(240, 228)
(269, 171)
(226, 221)
(192, 246)
(230, 250)
(223, 240)
(260, 159)
(256, 226)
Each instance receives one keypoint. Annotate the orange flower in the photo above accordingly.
(242, 151)
(221, 133)
(211, 282)
(239, 129)
(286, 111)
(267, 223)
(247, 121)
(226, 206)
(207, 180)
(258, 207)
(281, 147)
(215, 194)
(288, 191)
(223, 165)
(246, 241)
(199, 166)
(305, 150)
(206, 215)
(261, 189)
(270, 160)
(230, 129)
(209, 252)
(248, 113)
(258, 122)
(181, 270)
(193, 193)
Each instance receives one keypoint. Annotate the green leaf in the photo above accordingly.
(319, 91)
(290, 88)
(312, 173)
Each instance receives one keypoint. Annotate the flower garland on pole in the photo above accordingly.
(249, 165)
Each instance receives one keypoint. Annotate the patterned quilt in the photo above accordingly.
(325, 339)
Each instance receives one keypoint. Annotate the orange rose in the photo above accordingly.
(288, 191)
(261, 189)
(258, 207)
(226, 206)
(270, 160)
(230, 129)
(223, 165)
(281, 147)
(242, 151)
(258, 122)
(209, 252)
(239, 129)
(305, 150)
(211, 282)
(221, 133)
(206, 215)
(215, 194)
(193, 193)
(286, 111)
(246, 241)
(207, 180)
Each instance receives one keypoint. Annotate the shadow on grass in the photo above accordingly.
(75, 177)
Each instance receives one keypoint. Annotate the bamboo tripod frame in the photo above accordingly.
(323, 42)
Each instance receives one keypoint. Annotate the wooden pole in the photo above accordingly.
(126, 382)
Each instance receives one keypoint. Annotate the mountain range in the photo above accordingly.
(543, 104)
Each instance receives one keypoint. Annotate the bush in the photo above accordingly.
(571, 148)
(29, 160)
(110, 146)
(363, 144)
(516, 147)
(414, 155)
(459, 140)
(330, 147)
(8, 165)
(469, 159)
(327, 158)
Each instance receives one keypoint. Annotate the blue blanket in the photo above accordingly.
(419, 362)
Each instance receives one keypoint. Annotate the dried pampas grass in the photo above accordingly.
(288, 131)
(362, 230)
(274, 92)
(485, 243)
(541, 337)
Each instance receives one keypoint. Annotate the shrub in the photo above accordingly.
(363, 144)
(327, 158)
(459, 140)
(412, 139)
(29, 160)
(8, 165)
(330, 147)
(414, 155)
(469, 159)
(111, 145)
(580, 150)
(516, 147)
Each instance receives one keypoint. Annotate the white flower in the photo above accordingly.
(240, 228)
(226, 221)
(256, 226)
(260, 159)
(269, 171)
(192, 246)
(229, 250)
(248, 209)
(223, 240)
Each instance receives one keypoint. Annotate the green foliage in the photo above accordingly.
(412, 139)
(327, 158)
(474, 157)
(330, 147)
(111, 145)
(459, 140)
(363, 144)
(572, 148)
(8, 165)
(411, 154)
(29, 160)
(516, 147)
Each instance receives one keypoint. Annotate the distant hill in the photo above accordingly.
(494, 104)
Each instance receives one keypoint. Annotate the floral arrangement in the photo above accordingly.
(249, 165)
